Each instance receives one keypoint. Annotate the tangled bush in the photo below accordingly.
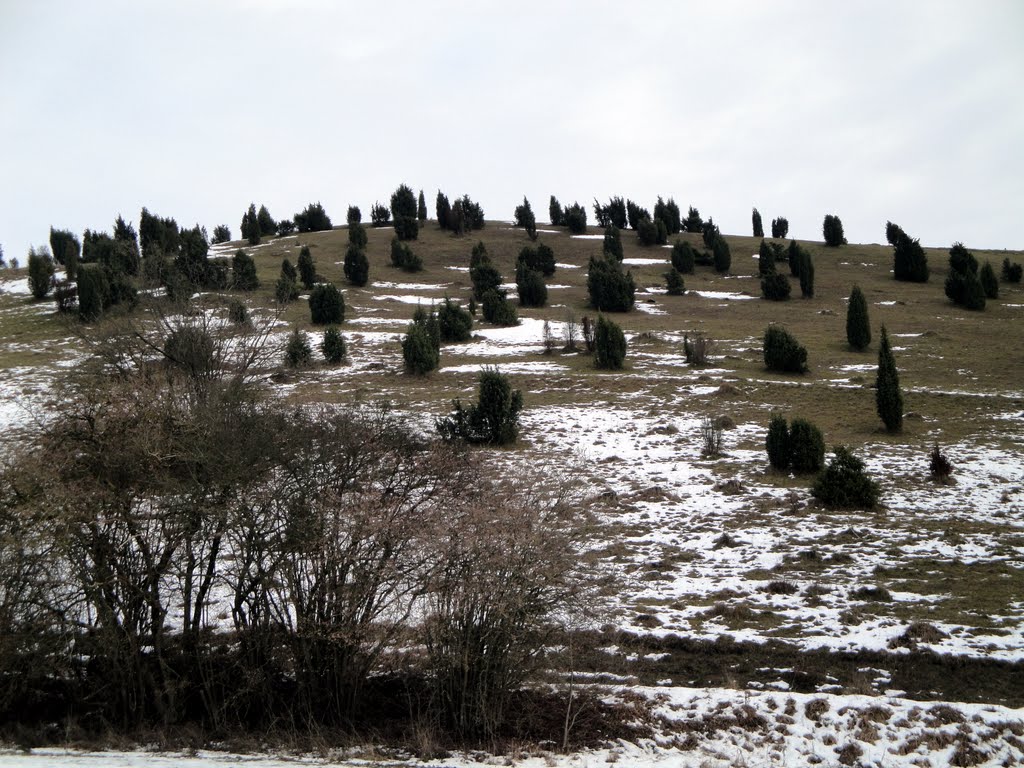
(494, 420)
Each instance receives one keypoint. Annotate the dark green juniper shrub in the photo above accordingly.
(1012, 273)
(297, 352)
(858, 327)
(243, 272)
(777, 443)
(497, 309)
(844, 484)
(609, 344)
(333, 345)
(807, 447)
(674, 282)
(888, 396)
(775, 286)
(421, 347)
(307, 269)
(530, 285)
(684, 257)
(613, 242)
(609, 288)
(403, 257)
(989, 283)
(357, 266)
(494, 420)
(326, 305)
(454, 322)
(782, 352)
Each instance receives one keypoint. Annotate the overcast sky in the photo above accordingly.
(909, 111)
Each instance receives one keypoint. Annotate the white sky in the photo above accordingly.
(909, 111)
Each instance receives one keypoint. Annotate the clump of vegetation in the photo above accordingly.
(312, 218)
(610, 289)
(380, 215)
(531, 287)
(421, 347)
(541, 259)
(710, 438)
(777, 443)
(333, 345)
(403, 257)
(612, 244)
(609, 345)
(858, 327)
(910, 263)
(287, 287)
(524, 218)
(697, 348)
(989, 282)
(494, 420)
(483, 274)
(297, 352)
(939, 466)
(454, 323)
(498, 309)
(775, 286)
(238, 313)
(190, 348)
(243, 272)
(755, 220)
(307, 268)
(405, 210)
(844, 484)
(357, 266)
(888, 396)
(832, 229)
(782, 352)
(651, 232)
(40, 272)
(1012, 273)
(963, 285)
(780, 227)
(684, 257)
(353, 215)
(326, 305)
(674, 283)
(575, 218)
(806, 447)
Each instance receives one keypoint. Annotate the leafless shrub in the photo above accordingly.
(697, 348)
(548, 338)
(711, 438)
(939, 467)
(571, 331)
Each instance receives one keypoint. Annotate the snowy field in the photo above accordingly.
(703, 548)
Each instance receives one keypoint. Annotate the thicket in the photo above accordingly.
(494, 420)
(832, 230)
(221, 234)
(326, 305)
(312, 218)
(777, 443)
(611, 215)
(782, 352)
(421, 347)
(287, 287)
(1012, 273)
(610, 289)
(609, 345)
(844, 484)
(780, 227)
(157, 234)
(667, 212)
(380, 215)
(541, 259)
(651, 232)
(858, 326)
(575, 218)
(888, 396)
